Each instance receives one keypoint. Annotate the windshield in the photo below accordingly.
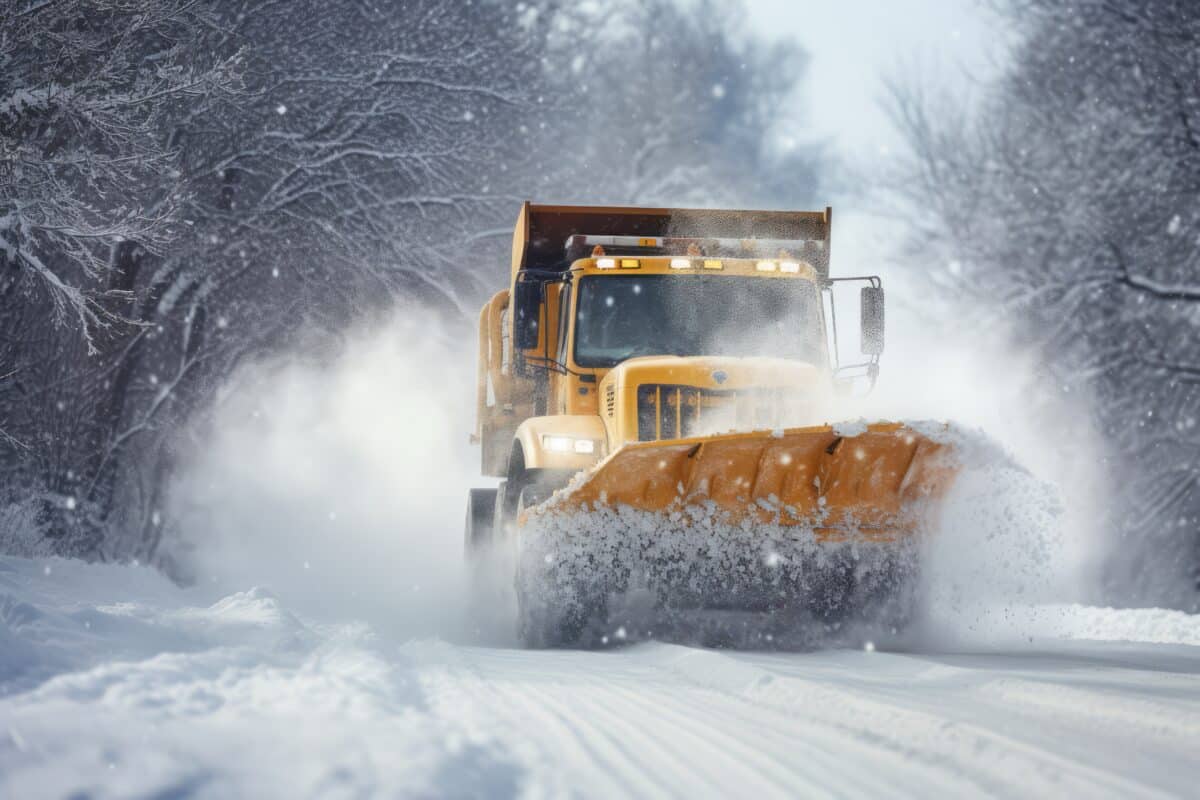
(620, 317)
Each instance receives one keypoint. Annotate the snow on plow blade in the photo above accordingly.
(807, 525)
(875, 483)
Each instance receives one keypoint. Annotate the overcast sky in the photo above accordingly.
(853, 42)
(952, 44)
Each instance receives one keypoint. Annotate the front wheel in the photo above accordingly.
(488, 571)
(481, 505)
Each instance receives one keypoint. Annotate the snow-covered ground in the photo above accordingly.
(115, 683)
(351, 676)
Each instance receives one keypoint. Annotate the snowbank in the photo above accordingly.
(115, 683)
(58, 616)
(1005, 626)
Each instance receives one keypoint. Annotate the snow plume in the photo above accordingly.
(339, 484)
(1023, 523)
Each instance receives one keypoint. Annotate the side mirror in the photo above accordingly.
(871, 303)
(526, 310)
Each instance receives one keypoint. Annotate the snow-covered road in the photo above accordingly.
(666, 720)
(116, 684)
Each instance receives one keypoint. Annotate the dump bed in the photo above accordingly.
(542, 231)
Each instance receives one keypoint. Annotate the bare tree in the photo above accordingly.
(659, 102)
(1070, 202)
(87, 177)
(177, 223)
(85, 87)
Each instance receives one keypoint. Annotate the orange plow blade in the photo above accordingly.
(809, 531)
(875, 481)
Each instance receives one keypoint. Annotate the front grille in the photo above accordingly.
(671, 411)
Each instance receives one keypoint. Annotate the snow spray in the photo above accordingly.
(1021, 526)
(339, 484)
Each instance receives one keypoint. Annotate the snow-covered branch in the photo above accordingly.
(1069, 202)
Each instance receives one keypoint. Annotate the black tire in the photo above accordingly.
(490, 605)
(500, 519)
(481, 506)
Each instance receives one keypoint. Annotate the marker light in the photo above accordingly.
(789, 266)
(765, 266)
(629, 263)
(606, 263)
(711, 263)
(803, 268)
(681, 263)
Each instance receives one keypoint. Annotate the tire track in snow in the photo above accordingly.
(1158, 739)
(509, 701)
(496, 714)
(1112, 709)
(632, 728)
(997, 762)
(812, 742)
(715, 754)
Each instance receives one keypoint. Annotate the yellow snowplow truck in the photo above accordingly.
(654, 387)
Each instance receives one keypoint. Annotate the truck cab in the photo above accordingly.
(626, 325)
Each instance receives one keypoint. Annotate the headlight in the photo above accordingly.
(567, 444)
(557, 444)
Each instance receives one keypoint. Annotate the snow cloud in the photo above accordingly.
(339, 484)
(1024, 528)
